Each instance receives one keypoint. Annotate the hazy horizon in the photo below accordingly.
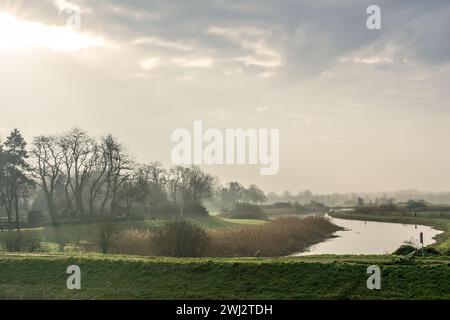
(358, 110)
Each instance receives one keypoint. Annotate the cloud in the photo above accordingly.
(185, 62)
(254, 41)
(155, 62)
(155, 41)
(297, 39)
(151, 63)
(64, 5)
(193, 62)
(369, 60)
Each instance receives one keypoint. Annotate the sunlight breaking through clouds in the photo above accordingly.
(19, 34)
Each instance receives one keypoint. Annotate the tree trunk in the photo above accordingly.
(91, 206)
(9, 212)
(113, 207)
(129, 204)
(105, 199)
(16, 207)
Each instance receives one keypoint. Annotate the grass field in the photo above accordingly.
(42, 276)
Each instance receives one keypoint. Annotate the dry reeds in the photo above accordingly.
(280, 237)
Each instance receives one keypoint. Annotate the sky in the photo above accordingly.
(358, 110)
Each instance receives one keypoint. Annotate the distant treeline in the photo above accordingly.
(351, 199)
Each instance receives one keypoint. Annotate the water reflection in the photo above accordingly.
(367, 237)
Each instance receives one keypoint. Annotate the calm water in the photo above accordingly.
(369, 237)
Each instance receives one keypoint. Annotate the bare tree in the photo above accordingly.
(48, 161)
(98, 177)
(134, 189)
(155, 178)
(201, 185)
(189, 186)
(178, 187)
(118, 170)
(78, 150)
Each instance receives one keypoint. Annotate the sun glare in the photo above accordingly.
(20, 34)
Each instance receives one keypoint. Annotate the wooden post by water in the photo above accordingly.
(421, 241)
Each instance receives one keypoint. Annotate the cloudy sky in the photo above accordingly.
(357, 109)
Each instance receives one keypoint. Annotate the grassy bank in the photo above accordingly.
(320, 277)
(442, 240)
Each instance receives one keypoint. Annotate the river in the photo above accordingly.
(361, 237)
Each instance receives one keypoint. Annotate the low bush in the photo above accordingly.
(135, 242)
(196, 210)
(20, 241)
(181, 239)
(404, 250)
(36, 219)
(105, 232)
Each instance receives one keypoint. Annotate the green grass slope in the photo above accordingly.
(321, 277)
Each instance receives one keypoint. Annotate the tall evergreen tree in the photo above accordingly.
(17, 181)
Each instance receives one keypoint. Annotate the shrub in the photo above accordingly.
(196, 210)
(20, 241)
(36, 218)
(181, 239)
(404, 250)
(105, 232)
(134, 241)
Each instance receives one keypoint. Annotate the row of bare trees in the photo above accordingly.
(81, 177)
(91, 172)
